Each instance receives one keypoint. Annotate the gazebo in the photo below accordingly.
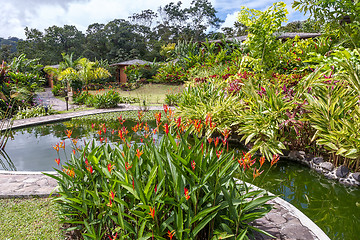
(120, 68)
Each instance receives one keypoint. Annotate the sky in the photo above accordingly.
(15, 15)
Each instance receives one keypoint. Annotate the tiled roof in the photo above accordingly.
(131, 62)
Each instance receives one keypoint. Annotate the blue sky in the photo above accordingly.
(41, 14)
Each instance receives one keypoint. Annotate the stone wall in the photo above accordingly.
(341, 173)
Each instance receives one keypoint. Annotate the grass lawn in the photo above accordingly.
(33, 218)
(151, 93)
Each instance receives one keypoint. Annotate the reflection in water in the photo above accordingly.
(5, 161)
(335, 208)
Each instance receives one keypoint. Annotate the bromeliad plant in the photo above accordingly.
(166, 187)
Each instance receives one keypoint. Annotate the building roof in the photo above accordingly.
(131, 62)
(283, 35)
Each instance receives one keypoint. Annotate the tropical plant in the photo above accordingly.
(167, 186)
(262, 28)
(109, 99)
(31, 112)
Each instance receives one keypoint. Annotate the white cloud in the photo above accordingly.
(42, 14)
(257, 4)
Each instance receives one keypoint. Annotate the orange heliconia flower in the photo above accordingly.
(154, 131)
(186, 191)
(56, 147)
(178, 122)
(68, 133)
(135, 128)
(112, 195)
(193, 164)
(57, 160)
(275, 159)
(110, 167)
(218, 153)
(166, 128)
(166, 108)
(121, 120)
(216, 141)
(209, 140)
(69, 172)
(158, 118)
(139, 153)
(127, 166)
(152, 212)
(256, 173)
(171, 234)
(110, 203)
(140, 115)
(62, 145)
(114, 237)
(90, 169)
(74, 140)
(146, 127)
(246, 162)
(262, 160)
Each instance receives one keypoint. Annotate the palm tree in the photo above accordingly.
(81, 69)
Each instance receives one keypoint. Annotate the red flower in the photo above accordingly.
(275, 159)
(140, 115)
(139, 153)
(246, 162)
(166, 128)
(171, 234)
(127, 166)
(178, 122)
(186, 191)
(114, 237)
(112, 195)
(68, 133)
(193, 165)
(216, 141)
(90, 169)
(256, 173)
(56, 147)
(218, 153)
(262, 160)
(110, 167)
(152, 212)
(166, 108)
(57, 160)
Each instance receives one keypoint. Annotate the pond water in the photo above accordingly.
(334, 207)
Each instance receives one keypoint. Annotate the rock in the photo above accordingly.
(296, 155)
(328, 166)
(356, 176)
(308, 157)
(318, 160)
(342, 171)
(293, 154)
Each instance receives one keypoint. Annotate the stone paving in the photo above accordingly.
(25, 185)
(284, 221)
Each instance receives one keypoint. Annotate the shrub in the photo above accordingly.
(164, 187)
(172, 99)
(109, 99)
(59, 90)
(80, 98)
(30, 112)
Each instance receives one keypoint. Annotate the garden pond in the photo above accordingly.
(335, 208)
